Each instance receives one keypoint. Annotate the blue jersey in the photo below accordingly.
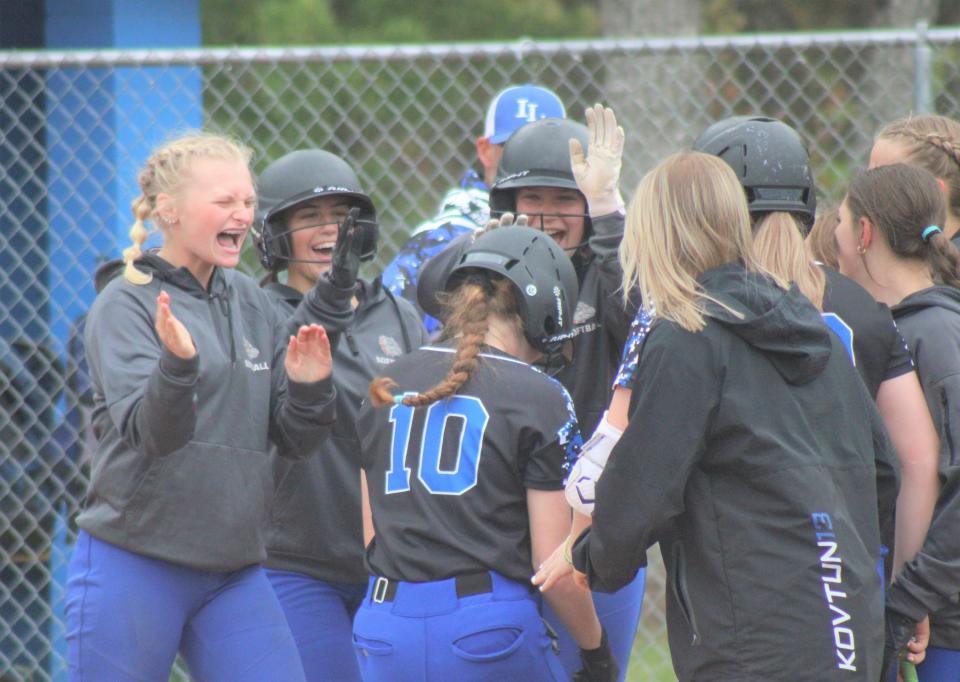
(464, 209)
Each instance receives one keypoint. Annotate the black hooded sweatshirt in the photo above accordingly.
(751, 457)
(316, 519)
(930, 322)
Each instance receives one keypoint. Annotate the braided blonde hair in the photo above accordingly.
(166, 172)
(932, 142)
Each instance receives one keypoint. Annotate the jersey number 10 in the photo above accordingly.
(439, 482)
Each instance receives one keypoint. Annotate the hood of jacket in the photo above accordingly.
(940, 296)
(783, 325)
(107, 272)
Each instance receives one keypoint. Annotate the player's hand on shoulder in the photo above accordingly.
(173, 335)
(505, 220)
(308, 355)
(597, 169)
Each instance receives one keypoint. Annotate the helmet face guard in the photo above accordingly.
(277, 243)
(546, 283)
(770, 160)
(298, 177)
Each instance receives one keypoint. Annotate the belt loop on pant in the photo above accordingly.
(380, 587)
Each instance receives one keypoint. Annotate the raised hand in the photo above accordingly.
(308, 355)
(346, 252)
(598, 171)
(173, 335)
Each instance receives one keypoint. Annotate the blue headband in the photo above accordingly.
(929, 232)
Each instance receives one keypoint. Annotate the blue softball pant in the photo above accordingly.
(619, 613)
(128, 615)
(940, 665)
(426, 633)
(320, 616)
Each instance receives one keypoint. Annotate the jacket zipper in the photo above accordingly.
(947, 433)
(225, 309)
(680, 594)
(351, 342)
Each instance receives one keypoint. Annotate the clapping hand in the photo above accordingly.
(173, 335)
(308, 355)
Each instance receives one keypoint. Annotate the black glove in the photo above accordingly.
(347, 252)
(899, 630)
(599, 665)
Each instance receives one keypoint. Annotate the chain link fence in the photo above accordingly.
(75, 126)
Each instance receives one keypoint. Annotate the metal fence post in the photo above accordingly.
(922, 71)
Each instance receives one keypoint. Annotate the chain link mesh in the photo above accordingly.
(75, 126)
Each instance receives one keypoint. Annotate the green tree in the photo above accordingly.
(298, 22)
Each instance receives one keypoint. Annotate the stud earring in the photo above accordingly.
(860, 249)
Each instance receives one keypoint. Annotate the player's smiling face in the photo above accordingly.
(313, 226)
(557, 211)
(212, 215)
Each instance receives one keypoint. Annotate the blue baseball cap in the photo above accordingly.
(517, 105)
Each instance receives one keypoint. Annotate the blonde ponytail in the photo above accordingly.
(780, 250)
(138, 234)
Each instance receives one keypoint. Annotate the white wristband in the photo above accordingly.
(589, 466)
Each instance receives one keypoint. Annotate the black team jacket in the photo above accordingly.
(754, 456)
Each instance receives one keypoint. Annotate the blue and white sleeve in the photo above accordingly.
(639, 329)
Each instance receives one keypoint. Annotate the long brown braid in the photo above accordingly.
(470, 308)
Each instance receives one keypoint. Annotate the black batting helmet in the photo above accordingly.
(537, 155)
(770, 160)
(297, 177)
(540, 270)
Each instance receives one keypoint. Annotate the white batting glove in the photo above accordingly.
(506, 220)
(598, 174)
(587, 469)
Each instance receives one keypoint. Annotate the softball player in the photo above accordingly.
(194, 375)
(740, 476)
(315, 547)
(889, 240)
(487, 437)
(564, 177)
(931, 142)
